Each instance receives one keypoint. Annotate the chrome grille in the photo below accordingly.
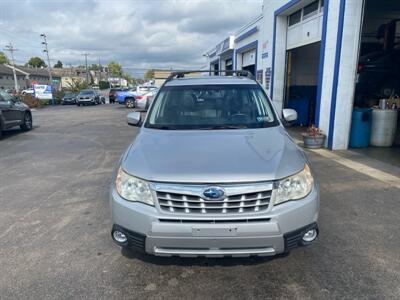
(174, 202)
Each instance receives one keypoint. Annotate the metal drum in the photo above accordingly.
(383, 131)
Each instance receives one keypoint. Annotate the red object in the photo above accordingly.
(138, 97)
(360, 68)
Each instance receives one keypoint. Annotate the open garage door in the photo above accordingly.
(249, 61)
(301, 82)
(377, 87)
(303, 42)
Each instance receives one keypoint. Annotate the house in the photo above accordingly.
(74, 74)
(26, 77)
(7, 78)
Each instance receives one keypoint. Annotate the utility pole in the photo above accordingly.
(99, 71)
(46, 50)
(11, 49)
(87, 71)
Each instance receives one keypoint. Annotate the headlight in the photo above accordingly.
(294, 187)
(133, 189)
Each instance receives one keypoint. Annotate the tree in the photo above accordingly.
(36, 62)
(103, 85)
(76, 84)
(149, 74)
(115, 68)
(128, 78)
(3, 58)
(58, 65)
(94, 67)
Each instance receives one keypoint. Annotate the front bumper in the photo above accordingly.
(85, 101)
(68, 101)
(273, 232)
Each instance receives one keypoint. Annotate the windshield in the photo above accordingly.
(211, 107)
(86, 92)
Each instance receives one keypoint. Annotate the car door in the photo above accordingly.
(11, 115)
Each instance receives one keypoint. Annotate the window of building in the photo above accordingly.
(295, 18)
(310, 10)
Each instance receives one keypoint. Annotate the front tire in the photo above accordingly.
(130, 103)
(27, 122)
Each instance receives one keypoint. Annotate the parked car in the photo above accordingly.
(102, 99)
(213, 172)
(14, 113)
(378, 75)
(69, 98)
(143, 102)
(29, 91)
(127, 98)
(113, 94)
(88, 97)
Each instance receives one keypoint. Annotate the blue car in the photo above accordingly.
(128, 97)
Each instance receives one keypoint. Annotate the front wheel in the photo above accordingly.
(27, 122)
(130, 103)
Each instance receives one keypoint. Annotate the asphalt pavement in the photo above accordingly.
(55, 227)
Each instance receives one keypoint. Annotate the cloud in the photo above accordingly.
(137, 33)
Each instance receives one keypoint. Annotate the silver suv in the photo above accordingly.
(213, 172)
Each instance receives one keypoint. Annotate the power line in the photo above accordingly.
(10, 48)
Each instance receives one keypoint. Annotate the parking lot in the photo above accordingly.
(55, 226)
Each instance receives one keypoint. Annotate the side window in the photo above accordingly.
(310, 10)
(295, 18)
(1, 99)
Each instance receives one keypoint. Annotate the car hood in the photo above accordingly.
(213, 156)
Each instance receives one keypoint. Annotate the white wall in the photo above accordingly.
(238, 57)
(346, 79)
(347, 73)
(349, 54)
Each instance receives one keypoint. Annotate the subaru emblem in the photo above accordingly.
(214, 193)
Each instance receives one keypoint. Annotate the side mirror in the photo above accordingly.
(289, 115)
(134, 118)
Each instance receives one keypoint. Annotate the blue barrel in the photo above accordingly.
(360, 132)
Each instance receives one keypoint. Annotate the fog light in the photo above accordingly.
(310, 235)
(119, 236)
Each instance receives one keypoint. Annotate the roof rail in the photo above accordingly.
(239, 73)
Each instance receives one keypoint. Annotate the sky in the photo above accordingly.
(138, 34)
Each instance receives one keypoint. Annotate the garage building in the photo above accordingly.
(324, 58)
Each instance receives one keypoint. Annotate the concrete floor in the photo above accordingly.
(55, 227)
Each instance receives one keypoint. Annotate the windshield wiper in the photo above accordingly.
(224, 127)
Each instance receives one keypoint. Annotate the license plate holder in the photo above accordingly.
(214, 231)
